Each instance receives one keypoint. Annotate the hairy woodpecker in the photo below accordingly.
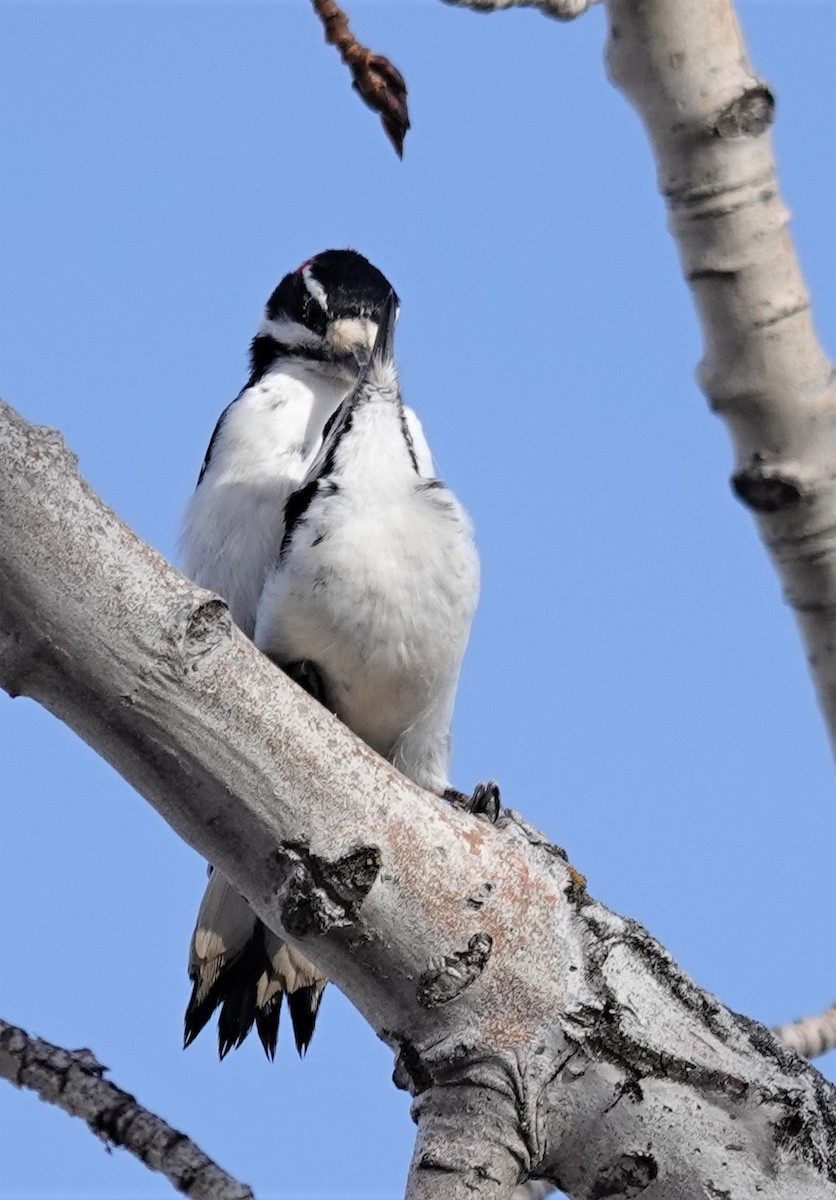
(318, 518)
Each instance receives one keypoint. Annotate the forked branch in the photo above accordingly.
(540, 1034)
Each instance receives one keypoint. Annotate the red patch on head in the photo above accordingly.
(306, 263)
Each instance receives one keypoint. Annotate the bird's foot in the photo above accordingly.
(483, 803)
(307, 674)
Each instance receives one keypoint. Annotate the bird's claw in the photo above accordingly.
(483, 803)
(307, 674)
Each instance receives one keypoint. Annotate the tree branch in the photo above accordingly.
(810, 1036)
(73, 1080)
(376, 80)
(683, 64)
(540, 1033)
(563, 10)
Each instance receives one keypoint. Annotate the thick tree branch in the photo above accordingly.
(683, 64)
(73, 1080)
(540, 1034)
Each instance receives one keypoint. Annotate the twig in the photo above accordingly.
(375, 79)
(562, 10)
(810, 1036)
(73, 1080)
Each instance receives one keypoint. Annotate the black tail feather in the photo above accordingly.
(199, 1012)
(238, 1010)
(235, 991)
(267, 1024)
(304, 1005)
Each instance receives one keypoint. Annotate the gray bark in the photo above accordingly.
(540, 1033)
(74, 1081)
(810, 1036)
(563, 10)
(683, 65)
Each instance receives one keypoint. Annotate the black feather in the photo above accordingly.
(237, 1015)
(295, 509)
(304, 1005)
(235, 992)
(213, 439)
(198, 1013)
(267, 1024)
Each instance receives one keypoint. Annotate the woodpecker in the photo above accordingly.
(318, 328)
(377, 579)
(318, 518)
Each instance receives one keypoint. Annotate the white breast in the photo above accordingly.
(378, 588)
(234, 523)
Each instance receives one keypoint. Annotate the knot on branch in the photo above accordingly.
(629, 1175)
(318, 895)
(409, 1073)
(208, 626)
(748, 115)
(766, 489)
(447, 977)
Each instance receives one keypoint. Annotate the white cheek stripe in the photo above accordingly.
(315, 288)
(288, 333)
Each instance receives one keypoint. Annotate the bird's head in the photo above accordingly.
(325, 311)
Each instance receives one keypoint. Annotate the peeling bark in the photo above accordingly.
(541, 1034)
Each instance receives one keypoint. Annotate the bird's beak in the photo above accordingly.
(384, 344)
(362, 355)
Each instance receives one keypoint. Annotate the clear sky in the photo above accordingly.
(634, 680)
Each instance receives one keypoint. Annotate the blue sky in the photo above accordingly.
(634, 680)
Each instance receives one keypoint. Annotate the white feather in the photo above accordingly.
(378, 589)
(234, 522)
(315, 288)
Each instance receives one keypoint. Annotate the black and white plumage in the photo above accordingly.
(377, 579)
(318, 328)
(318, 519)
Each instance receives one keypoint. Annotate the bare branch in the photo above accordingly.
(810, 1036)
(562, 10)
(540, 1033)
(684, 66)
(376, 80)
(73, 1080)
